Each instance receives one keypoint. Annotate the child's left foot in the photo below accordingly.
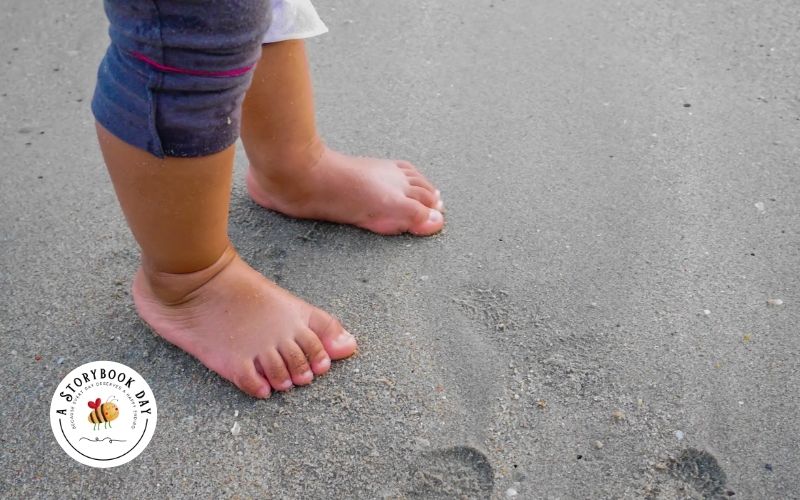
(383, 196)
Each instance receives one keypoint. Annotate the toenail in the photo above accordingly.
(434, 216)
(307, 374)
(438, 193)
(343, 340)
(439, 205)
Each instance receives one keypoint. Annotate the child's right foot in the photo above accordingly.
(241, 325)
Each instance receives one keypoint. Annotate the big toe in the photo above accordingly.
(338, 342)
(425, 221)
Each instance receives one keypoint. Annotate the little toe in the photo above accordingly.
(426, 221)
(296, 362)
(252, 382)
(417, 179)
(275, 369)
(406, 165)
(315, 352)
(422, 195)
(337, 341)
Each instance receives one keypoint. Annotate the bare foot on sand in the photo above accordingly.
(383, 196)
(241, 325)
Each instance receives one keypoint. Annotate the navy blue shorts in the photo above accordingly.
(174, 76)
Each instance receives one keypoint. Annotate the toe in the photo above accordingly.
(315, 352)
(274, 368)
(417, 179)
(252, 382)
(422, 195)
(337, 341)
(425, 221)
(406, 165)
(296, 362)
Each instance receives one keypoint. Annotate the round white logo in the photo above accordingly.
(103, 414)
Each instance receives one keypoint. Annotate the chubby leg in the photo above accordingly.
(195, 291)
(293, 172)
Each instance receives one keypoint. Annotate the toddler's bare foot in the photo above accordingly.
(241, 325)
(383, 196)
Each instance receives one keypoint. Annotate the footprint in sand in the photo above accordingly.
(694, 474)
(456, 472)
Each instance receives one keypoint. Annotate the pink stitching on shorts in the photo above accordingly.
(195, 72)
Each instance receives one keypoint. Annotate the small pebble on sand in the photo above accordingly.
(706, 312)
(774, 302)
(598, 445)
(760, 206)
(236, 429)
(618, 415)
(511, 492)
(679, 435)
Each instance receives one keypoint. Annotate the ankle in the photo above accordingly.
(282, 163)
(177, 288)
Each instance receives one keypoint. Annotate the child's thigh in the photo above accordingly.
(173, 79)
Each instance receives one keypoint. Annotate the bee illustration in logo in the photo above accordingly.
(102, 413)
